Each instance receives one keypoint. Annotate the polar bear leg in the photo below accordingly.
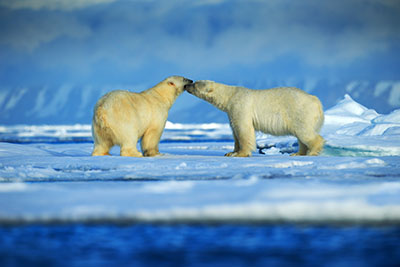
(302, 149)
(150, 142)
(314, 143)
(102, 141)
(245, 140)
(101, 149)
(130, 151)
(237, 146)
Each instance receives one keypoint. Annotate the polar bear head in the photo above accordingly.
(177, 82)
(214, 93)
(170, 88)
(203, 89)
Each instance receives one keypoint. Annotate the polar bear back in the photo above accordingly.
(281, 111)
(123, 106)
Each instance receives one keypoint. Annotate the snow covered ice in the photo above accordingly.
(48, 175)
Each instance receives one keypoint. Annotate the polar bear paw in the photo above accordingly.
(237, 154)
(153, 154)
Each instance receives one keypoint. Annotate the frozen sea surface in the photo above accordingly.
(192, 201)
(193, 182)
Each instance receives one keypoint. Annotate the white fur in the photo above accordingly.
(277, 111)
(122, 118)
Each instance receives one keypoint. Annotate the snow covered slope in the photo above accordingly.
(48, 175)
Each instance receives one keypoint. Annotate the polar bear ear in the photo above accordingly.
(171, 84)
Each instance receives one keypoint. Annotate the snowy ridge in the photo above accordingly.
(69, 104)
(375, 134)
(354, 181)
(350, 118)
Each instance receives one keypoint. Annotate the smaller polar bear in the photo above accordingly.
(277, 111)
(123, 117)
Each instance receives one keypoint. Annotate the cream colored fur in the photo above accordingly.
(122, 118)
(277, 111)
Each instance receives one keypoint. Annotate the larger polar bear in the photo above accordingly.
(277, 111)
(123, 117)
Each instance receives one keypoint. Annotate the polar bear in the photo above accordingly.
(276, 111)
(123, 117)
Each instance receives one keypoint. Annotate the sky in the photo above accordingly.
(58, 56)
(121, 41)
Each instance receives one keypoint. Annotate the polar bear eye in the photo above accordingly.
(201, 85)
(171, 83)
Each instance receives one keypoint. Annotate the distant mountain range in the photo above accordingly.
(70, 104)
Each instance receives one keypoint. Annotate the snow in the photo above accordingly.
(39, 103)
(381, 87)
(58, 102)
(13, 100)
(3, 96)
(350, 127)
(348, 111)
(47, 175)
(394, 98)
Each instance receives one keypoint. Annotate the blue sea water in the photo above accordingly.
(199, 245)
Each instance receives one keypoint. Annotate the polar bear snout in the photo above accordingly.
(187, 81)
(199, 89)
(202, 89)
(189, 86)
